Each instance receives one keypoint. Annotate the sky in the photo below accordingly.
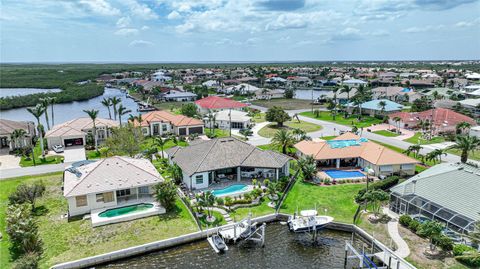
(238, 30)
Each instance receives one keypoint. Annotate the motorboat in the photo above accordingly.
(217, 243)
(308, 220)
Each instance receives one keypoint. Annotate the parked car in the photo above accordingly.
(58, 148)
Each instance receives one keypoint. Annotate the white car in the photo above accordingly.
(58, 148)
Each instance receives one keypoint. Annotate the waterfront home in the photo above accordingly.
(442, 120)
(109, 183)
(205, 105)
(160, 123)
(475, 131)
(267, 94)
(349, 151)
(226, 160)
(354, 82)
(225, 118)
(179, 96)
(446, 192)
(74, 132)
(242, 88)
(7, 134)
(395, 94)
(373, 107)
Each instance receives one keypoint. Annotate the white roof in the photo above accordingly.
(354, 81)
(109, 174)
(473, 76)
(242, 87)
(470, 102)
(237, 116)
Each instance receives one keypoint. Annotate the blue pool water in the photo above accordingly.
(343, 174)
(334, 144)
(230, 189)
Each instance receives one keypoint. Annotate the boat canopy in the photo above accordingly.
(308, 213)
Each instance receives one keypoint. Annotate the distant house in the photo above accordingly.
(395, 94)
(276, 81)
(160, 76)
(74, 132)
(7, 128)
(298, 81)
(211, 83)
(373, 107)
(354, 82)
(218, 103)
(108, 183)
(349, 150)
(227, 160)
(238, 120)
(473, 105)
(267, 94)
(475, 131)
(179, 96)
(160, 123)
(419, 84)
(242, 88)
(442, 119)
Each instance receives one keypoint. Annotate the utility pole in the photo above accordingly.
(230, 123)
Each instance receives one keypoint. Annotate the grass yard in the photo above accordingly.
(218, 132)
(64, 241)
(219, 221)
(149, 143)
(386, 133)
(52, 159)
(474, 156)
(256, 211)
(271, 129)
(259, 118)
(417, 139)
(350, 121)
(286, 104)
(337, 199)
(276, 148)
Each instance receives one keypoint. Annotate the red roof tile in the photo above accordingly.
(216, 102)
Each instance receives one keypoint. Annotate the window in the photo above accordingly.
(237, 125)
(125, 192)
(199, 179)
(143, 190)
(108, 197)
(81, 200)
(99, 197)
(386, 168)
(164, 127)
(407, 166)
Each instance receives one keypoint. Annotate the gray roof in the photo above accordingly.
(8, 126)
(454, 186)
(224, 153)
(109, 174)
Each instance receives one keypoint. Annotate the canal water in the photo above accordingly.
(283, 249)
(68, 111)
(307, 94)
(6, 92)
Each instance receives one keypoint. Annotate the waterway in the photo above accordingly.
(68, 111)
(283, 249)
(307, 94)
(6, 92)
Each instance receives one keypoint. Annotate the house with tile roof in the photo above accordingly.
(109, 183)
(226, 160)
(218, 103)
(159, 123)
(373, 107)
(8, 127)
(351, 151)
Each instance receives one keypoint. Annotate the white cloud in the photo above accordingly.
(467, 23)
(421, 29)
(145, 27)
(100, 7)
(124, 22)
(126, 31)
(140, 43)
(174, 15)
(380, 33)
(141, 11)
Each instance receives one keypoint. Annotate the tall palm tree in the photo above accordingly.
(397, 121)
(347, 90)
(415, 149)
(160, 142)
(107, 102)
(283, 139)
(18, 134)
(115, 101)
(382, 105)
(45, 102)
(122, 111)
(37, 111)
(466, 144)
(435, 155)
(93, 114)
(52, 101)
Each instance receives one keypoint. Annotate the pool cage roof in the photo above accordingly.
(433, 210)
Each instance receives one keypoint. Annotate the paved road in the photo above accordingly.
(33, 170)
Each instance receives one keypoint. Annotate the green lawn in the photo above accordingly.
(350, 121)
(271, 129)
(256, 211)
(474, 156)
(287, 104)
(218, 132)
(259, 118)
(277, 148)
(386, 133)
(64, 241)
(219, 221)
(24, 162)
(149, 141)
(417, 139)
(337, 199)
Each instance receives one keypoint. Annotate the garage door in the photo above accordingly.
(195, 130)
(73, 142)
(182, 131)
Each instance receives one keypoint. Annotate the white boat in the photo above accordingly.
(217, 243)
(308, 221)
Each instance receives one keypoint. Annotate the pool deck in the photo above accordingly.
(99, 221)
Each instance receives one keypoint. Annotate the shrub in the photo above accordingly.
(414, 225)
(228, 200)
(443, 241)
(256, 192)
(461, 248)
(470, 258)
(381, 184)
(405, 220)
(27, 261)
(27, 193)
(165, 194)
(22, 230)
(247, 196)
(327, 181)
(220, 201)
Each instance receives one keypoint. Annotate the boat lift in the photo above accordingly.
(386, 259)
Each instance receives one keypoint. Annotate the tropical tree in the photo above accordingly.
(45, 103)
(17, 135)
(377, 198)
(415, 149)
(462, 127)
(430, 229)
(165, 194)
(207, 200)
(307, 166)
(27, 194)
(115, 101)
(37, 112)
(347, 90)
(122, 111)
(107, 102)
(283, 139)
(278, 115)
(189, 110)
(382, 105)
(125, 140)
(104, 151)
(299, 134)
(397, 121)
(211, 119)
(93, 114)
(22, 230)
(52, 101)
(160, 142)
(176, 172)
(332, 106)
(466, 144)
(435, 155)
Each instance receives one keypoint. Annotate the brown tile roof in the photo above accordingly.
(8, 126)
(439, 116)
(164, 116)
(79, 126)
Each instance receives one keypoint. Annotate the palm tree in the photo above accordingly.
(397, 121)
(122, 111)
(159, 142)
(115, 101)
(347, 90)
(462, 127)
(93, 115)
(382, 105)
(37, 112)
(207, 200)
(466, 144)
(415, 149)
(435, 155)
(17, 134)
(299, 134)
(52, 101)
(307, 166)
(45, 103)
(107, 103)
(283, 139)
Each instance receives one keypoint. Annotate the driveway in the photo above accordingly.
(74, 154)
(8, 161)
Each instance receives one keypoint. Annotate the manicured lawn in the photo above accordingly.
(93, 154)
(386, 133)
(286, 104)
(271, 129)
(417, 139)
(24, 162)
(277, 148)
(64, 241)
(474, 156)
(219, 221)
(218, 132)
(337, 199)
(259, 118)
(149, 141)
(256, 211)
(350, 121)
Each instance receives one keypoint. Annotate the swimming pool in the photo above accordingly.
(230, 190)
(120, 211)
(343, 174)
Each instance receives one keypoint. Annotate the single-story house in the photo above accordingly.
(74, 132)
(218, 103)
(447, 192)
(108, 183)
(373, 107)
(179, 96)
(242, 88)
(395, 94)
(442, 119)
(239, 120)
(473, 105)
(226, 159)
(354, 82)
(159, 123)
(8, 127)
(349, 150)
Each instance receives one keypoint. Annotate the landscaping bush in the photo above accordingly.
(27, 261)
(381, 184)
(443, 241)
(414, 225)
(247, 196)
(228, 200)
(27, 194)
(238, 201)
(470, 258)
(23, 231)
(165, 194)
(327, 181)
(220, 201)
(256, 192)
(405, 220)
(461, 248)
